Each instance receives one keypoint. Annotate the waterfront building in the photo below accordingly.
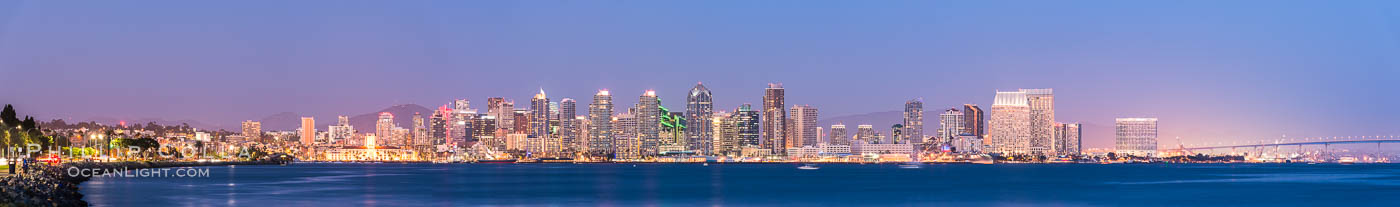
(568, 125)
(308, 131)
(913, 130)
(835, 149)
(521, 122)
(950, 125)
(600, 128)
(866, 133)
(671, 138)
(725, 139)
(974, 121)
(748, 126)
(838, 135)
(886, 152)
(968, 143)
(625, 141)
(252, 130)
(1068, 139)
(774, 137)
(539, 119)
(1042, 118)
(699, 109)
(648, 115)
(803, 152)
(517, 141)
(341, 132)
(804, 126)
(1010, 126)
(383, 128)
(1136, 136)
(437, 126)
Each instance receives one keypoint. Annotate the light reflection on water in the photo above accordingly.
(754, 184)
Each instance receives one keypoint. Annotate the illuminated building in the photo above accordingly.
(438, 125)
(1042, 118)
(625, 141)
(725, 140)
(748, 126)
(649, 122)
(974, 121)
(600, 128)
(1136, 136)
(804, 126)
(774, 122)
(503, 111)
(568, 125)
(865, 133)
(699, 109)
(838, 135)
(885, 152)
(383, 128)
(308, 131)
(1010, 127)
(521, 122)
(420, 133)
(913, 122)
(1068, 138)
(950, 125)
(341, 132)
(252, 130)
(897, 134)
(539, 115)
(672, 132)
(484, 131)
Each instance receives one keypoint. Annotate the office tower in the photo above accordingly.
(504, 111)
(913, 122)
(725, 138)
(748, 123)
(950, 125)
(600, 128)
(484, 131)
(539, 111)
(804, 126)
(463, 134)
(568, 126)
(420, 131)
(1068, 139)
(974, 120)
(649, 122)
(341, 132)
(897, 134)
(625, 134)
(1136, 136)
(521, 122)
(1042, 117)
(838, 135)
(252, 130)
(383, 128)
(672, 135)
(699, 109)
(343, 120)
(438, 125)
(774, 119)
(308, 131)
(865, 134)
(1010, 127)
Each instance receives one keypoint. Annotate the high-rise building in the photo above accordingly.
(1136, 136)
(539, 111)
(308, 131)
(838, 135)
(521, 122)
(383, 128)
(438, 125)
(1042, 117)
(974, 121)
(1068, 139)
(897, 134)
(252, 130)
(913, 121)
(568, 127)
(600, 128)
(699, 109)
(774, 119)
(420, 132)
(950, 125)
(1010, 125)
(484, 131)
(726, 135)
(804, 126)
(865, 133)
(625, 134)
(747, 126)
(341, 132)
(649, 122)
(672, 136)
(503, 110)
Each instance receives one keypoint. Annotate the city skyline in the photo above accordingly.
(1233, 72)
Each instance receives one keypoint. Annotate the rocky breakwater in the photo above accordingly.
(54, 185)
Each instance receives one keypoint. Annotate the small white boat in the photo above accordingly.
(706, 164)
(910, 166)
(808, 167)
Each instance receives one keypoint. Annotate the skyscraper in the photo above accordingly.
(774, 119)
(746, 123)
(600, 130)
(438, 125)
(252, 131)
(1136, 136)
(539, 115)
(865, 133)
(625, 134)
(804, 126)
(950, 125)
(974, 120)
(340, 132)
(1010, 126)
(568, 127)
(1042, 117)
(726, 135)
(1068, 138)
(838, 135)
(420, 132)
(897, 134)
(649, 122)
(308, 131)
(699, 109)
(383, 128)
(913, 121)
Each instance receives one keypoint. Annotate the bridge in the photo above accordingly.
(1325, 141)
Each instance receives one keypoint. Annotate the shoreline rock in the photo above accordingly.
(49, 185)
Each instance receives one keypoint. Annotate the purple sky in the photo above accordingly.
(1211, 71)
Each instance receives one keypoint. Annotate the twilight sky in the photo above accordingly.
(1210, 70)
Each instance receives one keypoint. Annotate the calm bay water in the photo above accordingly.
(762, 185)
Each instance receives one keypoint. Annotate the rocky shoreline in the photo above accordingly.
(51, 185)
